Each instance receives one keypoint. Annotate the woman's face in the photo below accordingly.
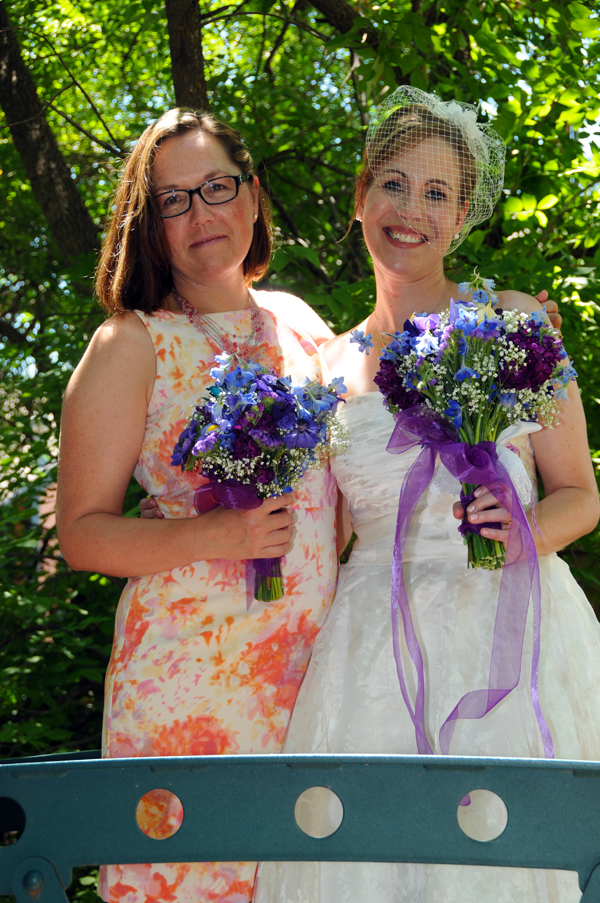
(208, 243)
(412, 210)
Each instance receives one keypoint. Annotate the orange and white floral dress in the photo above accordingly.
(192, 670)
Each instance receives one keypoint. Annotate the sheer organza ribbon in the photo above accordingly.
(477, 464)
(230, 495)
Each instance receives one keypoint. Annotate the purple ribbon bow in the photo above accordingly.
(477, 464)
(233, 495)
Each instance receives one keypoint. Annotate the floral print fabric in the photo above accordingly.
(194, 671)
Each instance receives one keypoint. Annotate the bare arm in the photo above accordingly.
(570, 508)
(297, 313)
(103, 423)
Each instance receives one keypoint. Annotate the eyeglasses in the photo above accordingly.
(213, 192)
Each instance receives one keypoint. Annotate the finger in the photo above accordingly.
(497, 535)
(458, 511)
(279, 501)
(485, 500)
(542, 296)
(551, 307)
(490, 516)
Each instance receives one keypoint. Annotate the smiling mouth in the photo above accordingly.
(405, 236)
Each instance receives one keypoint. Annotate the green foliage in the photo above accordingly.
(299, 91)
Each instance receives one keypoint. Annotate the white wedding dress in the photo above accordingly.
(350, 700)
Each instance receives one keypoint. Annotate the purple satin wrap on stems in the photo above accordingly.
(520, 581)
(263, 574)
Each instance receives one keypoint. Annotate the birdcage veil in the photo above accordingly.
(461, 168)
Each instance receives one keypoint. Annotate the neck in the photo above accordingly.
(230, 293)
(398, 299)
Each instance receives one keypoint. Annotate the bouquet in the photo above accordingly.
(477, 370)
(254, 434)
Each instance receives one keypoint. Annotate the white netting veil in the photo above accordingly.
(442, 170)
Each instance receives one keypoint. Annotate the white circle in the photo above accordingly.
(482, 815)
(318, 812)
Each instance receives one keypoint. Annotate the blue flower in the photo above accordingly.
(426, 344)
(480, 296)
(464, 287)
(508, 399)
(454, 412)
(466, 373)
(364, 342)
(537, 317)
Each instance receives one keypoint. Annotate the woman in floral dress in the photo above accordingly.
(194, 670)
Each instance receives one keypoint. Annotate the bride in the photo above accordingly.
(430, 173)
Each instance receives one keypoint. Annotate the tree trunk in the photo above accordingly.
(53, 186)
(187, 60)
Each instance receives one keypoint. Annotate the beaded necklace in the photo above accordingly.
(239, 347)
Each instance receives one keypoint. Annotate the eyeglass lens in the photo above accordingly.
(218, 192)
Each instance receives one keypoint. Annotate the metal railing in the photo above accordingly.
(78, 810)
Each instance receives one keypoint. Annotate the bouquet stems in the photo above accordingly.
(482, 552)
(268, 581)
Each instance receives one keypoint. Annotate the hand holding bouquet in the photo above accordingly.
(254, 435)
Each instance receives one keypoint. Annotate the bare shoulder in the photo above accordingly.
(297, 313)
(121, 348)
(343, 358)
(510, 299)
(336, 351)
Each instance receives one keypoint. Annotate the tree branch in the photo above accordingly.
(81, 88)
(116, 151)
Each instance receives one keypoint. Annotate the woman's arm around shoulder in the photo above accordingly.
(511, 299)
(297, 314)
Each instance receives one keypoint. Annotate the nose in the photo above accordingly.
(200, 211)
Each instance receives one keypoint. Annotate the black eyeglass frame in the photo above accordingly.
(243, 177)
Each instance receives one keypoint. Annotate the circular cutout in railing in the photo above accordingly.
(159, 814)
(12, 821)
(482, 815)
(319, 812)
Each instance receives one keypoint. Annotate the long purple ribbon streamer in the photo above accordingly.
(479, 465)
(209, 495)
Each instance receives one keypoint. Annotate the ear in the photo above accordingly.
(360, 210)
(462, 213)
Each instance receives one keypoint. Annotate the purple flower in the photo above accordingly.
(304, 435)
(244, 446)
(542, 355)
(393, 389)
(206, 443)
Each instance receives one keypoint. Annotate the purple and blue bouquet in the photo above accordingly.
(479, 370)
(254, 435)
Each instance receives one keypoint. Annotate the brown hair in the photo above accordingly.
(403, 130)
(134, 270)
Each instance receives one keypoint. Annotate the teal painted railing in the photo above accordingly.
(81, 810)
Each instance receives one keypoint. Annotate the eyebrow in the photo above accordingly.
(174, 186)
(429, 181)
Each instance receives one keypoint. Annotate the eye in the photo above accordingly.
(174, 199)
(436, 194)
(393, 185)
